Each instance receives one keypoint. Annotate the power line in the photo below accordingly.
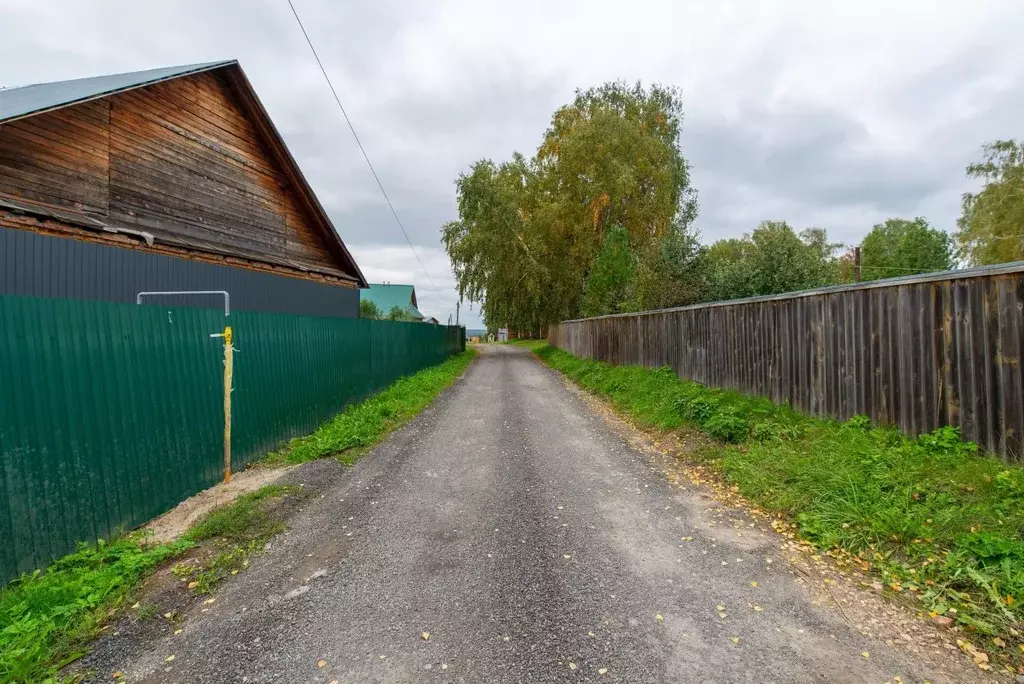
(360, 144)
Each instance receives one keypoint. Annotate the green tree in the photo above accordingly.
(368, 309)
(900, 247)
(671, 272)
(772, 260)
(530, 230)
(397, 313)
(992, 223)
(610, 277)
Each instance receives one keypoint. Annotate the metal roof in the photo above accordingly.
(27, 100)
(386, 296)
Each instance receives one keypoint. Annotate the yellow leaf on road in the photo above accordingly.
(734, 639)
(426, 636)
(321, 663)
(602, 670)
(572, 666)
(659, 617)
(168, 659)
(865, 654)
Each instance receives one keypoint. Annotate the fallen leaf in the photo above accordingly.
(755, 583)
(168, 658)
(118, 675)
(999, 642)
(572, 666)
(193, 584)
(734, 639)
(590, 634)
(177, 631)
(321, 663)
(168, 615)
(136, 605)
(444, 666)
(865, 654)
(426, 636)
(758, 609)
(719, 607)
(659, 617)
(602, 670)
(566, 556)
(209, 601)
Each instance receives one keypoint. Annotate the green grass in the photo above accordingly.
(48, 618)
(353, 431)
(936, 519)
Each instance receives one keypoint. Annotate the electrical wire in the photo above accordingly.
(360, 144)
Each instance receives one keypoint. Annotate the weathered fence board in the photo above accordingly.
(918, 353)
(111, 414)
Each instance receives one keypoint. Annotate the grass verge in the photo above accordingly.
(47, 618)
(353, 431)
(939, 521)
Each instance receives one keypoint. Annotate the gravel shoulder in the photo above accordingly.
(510, 533)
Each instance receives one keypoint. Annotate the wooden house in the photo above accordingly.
(168, 179)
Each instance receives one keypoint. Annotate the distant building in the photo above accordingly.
(387, 296)
(167, 179)
(432, 321)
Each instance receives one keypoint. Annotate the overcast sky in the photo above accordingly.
(817, 113)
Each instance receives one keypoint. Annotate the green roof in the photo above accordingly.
(388, 295)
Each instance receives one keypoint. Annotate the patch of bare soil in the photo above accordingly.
(841, 583)
(179, 519)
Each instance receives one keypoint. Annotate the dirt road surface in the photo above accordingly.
(522, 533)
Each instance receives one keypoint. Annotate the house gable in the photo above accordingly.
(191, 163)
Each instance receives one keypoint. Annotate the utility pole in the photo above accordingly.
(856, 262)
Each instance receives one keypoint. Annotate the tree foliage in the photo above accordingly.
(608, 284)
(901, 247)
(771, 260)
(992, 223)
(530, 230)
(368, 309)
(397, 313)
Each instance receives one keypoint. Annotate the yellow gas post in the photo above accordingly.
(228, 364)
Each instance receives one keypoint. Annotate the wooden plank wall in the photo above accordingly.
(179, 159)
(59, 158)
(186, 161)
(918, 354)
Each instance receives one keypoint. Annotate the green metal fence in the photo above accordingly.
(111, 414)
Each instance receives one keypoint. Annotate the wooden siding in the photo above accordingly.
(918, 354)
(58, 158)
(180, 160)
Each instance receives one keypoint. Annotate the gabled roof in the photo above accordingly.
(24, 101)
(386, 296)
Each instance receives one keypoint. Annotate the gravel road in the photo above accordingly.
(523, 533)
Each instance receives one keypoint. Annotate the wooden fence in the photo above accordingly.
(918, 353)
